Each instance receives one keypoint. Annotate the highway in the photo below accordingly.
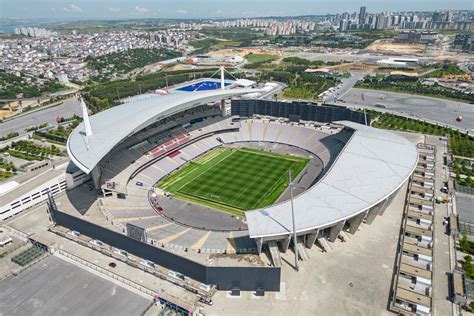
(419, 107)
(37, 117)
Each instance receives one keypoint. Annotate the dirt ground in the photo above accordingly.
(6, 113)
(242, 52)
(8, 109)
(13, 108)
(357, 67)
(389, 46)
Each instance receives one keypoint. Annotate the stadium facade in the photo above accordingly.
(129, 148)
(115, 125)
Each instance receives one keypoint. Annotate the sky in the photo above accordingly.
(119, 9)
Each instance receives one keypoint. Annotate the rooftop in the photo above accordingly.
(27, 186)
(112, 126)
(372, 166)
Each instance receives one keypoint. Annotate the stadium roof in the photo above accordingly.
(371, 166)
(112, 126)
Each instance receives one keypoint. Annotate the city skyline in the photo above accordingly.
(85, 9)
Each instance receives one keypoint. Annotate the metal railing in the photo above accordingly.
(463, 189)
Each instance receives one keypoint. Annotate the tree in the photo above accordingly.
(464, 244)
(468, 181)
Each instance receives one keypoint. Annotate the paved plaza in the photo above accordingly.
(55, 287)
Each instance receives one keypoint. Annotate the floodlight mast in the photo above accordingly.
(295, 245)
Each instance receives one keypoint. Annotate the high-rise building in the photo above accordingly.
(342, 25)
(33, 32)
(449, 16)
(417, 37)
(362, 14)
(464, 42)
(381, 21)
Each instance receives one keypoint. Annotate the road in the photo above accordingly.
(346, 85)
(467, 67)
(363, 57)
(442, 245)
(420, 107)
(276, 90)
(47, 115)
(43, 97)
(67, 109)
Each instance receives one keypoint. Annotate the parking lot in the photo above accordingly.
(431, 109)
(55, 287)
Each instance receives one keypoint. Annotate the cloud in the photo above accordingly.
(181, 11)
(72, 8)
(219, 12)
(115, 10)
(140, 10)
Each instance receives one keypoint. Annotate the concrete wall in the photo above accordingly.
(296, 110)
(225, 278)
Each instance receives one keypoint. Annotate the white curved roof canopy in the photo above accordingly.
(112, 126)
(372, 165)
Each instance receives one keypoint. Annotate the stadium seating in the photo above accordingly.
(202, 136)
(153, 156)
(285, 134)
(306, 137)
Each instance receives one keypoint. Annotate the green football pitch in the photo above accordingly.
(233, 180)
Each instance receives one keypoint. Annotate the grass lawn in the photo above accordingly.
(234, 180)
(260, 58)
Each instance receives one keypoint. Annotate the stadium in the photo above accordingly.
(202, 169)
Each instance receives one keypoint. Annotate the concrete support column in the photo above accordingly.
(259, 242)
(384, 206)
(388, 201)
(285, 243)
(372, 214)
(223, 107)
(311, 238)
(355, 222)
(335, 230)
(95, 173)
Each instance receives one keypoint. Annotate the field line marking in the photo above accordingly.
(199, 199)
(206, 170)
(191, 166)
(274, 184)
(202, 160)
(269, 166)
(272, 155)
